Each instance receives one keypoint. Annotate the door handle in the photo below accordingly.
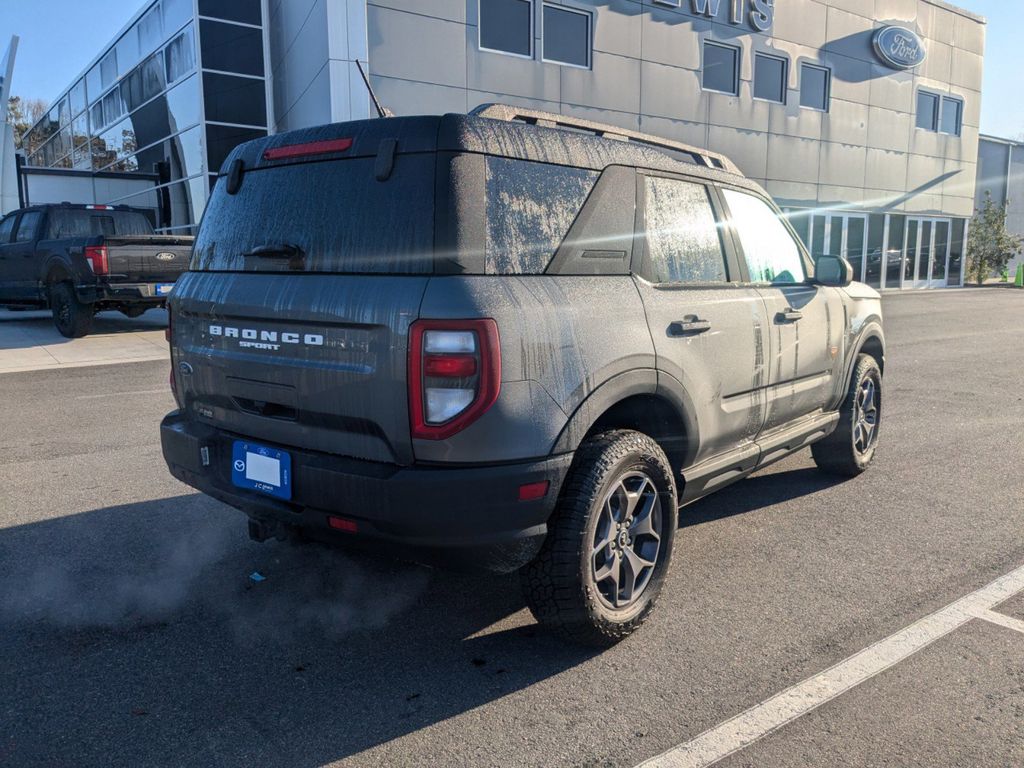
(789, 315)
(690, 325)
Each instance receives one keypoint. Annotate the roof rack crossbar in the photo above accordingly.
(509, 113)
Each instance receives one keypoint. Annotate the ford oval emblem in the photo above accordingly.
(899, 47)
(166, 256)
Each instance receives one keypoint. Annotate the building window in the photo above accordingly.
(506, 26)
(939, 114)
(770, 78)
(228, 47)
(951, 116)
(814, 87)
(721, 68)
(108, 69)
(927, 111)
(566, 34)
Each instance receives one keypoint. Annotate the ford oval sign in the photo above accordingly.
(899, 47)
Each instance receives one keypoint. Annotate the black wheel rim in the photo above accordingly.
(627, 541)
(63, 311)
(866, 415)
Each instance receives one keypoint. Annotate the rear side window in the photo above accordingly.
(334, 212)
(87, 223)
(530, 207)
(683, 243)
(6, 228)
(27, 226)
(771, 252)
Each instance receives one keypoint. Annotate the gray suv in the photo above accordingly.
(509, 340)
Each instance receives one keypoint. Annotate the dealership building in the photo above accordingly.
(859, 116)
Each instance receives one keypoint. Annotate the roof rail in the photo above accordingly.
(510, 113)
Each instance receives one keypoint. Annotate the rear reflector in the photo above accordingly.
(341, 524)
(309, 148)
(460, 366)
(534, 491)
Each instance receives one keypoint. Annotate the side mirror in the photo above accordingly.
(833, 270)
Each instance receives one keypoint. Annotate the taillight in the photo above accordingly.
(96, 255)
(454, 375)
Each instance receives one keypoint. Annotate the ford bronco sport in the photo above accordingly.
(508, 339)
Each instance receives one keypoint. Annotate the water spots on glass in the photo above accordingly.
(530, 207)
(336, 213)
(682, 235)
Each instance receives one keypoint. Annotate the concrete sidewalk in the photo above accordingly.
(30, 342)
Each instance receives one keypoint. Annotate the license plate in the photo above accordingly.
(162, 289)
(263, 469)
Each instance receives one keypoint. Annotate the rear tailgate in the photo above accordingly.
(317, 361)
(147, 258)
(293, 326)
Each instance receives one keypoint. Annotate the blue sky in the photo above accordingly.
(59, 37)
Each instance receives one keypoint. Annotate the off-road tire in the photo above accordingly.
(559, 584)
(838, 453)
(72, 317)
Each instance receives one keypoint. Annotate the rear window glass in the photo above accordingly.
(336, 213)
(86, 223)
(530, 207)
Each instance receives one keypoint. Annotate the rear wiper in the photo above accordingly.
(295, 255)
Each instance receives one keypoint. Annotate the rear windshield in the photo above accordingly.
(336, 214)
(81, 222)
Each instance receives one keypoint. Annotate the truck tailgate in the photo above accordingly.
(147, 258)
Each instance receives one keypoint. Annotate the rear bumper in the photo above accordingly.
(457, 517)
(134, 293)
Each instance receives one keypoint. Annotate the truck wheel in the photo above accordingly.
(72, 318)
(850, 448)
(609, 542)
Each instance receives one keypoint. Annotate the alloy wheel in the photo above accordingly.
(865, 430)
(627, 540)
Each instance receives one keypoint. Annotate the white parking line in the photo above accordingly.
(770, 715)
(1001, 619)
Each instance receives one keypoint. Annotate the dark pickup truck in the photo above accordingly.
(81, 259)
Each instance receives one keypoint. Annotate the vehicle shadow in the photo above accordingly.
(137, 631)
(760, 490)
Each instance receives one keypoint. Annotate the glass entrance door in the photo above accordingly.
(927, 253)
(842, 234)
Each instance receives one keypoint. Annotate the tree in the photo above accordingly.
(989, 246)
(22, 115)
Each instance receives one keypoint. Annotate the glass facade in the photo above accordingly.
(887, 250)
(162, 107)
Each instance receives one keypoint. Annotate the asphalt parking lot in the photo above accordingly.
(132, 634)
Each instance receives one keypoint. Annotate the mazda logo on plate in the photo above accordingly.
(239, 465)
(166, 256)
